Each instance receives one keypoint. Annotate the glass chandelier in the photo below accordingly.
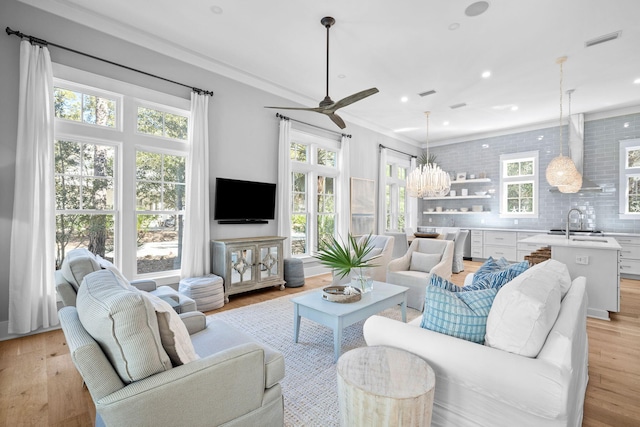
(428, 180)
(562, 172)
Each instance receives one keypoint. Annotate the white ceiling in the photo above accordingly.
(402, 48)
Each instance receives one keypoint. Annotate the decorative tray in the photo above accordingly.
(337, 294)
(427, 235)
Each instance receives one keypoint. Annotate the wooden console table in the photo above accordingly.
(248, 263)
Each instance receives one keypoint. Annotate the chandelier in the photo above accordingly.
(428, 180)
(562, 172)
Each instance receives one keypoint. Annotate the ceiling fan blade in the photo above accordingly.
(354, 98)
(337, 120)
(316, 109)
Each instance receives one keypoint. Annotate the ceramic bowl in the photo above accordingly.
(464, 209)
(481, 193)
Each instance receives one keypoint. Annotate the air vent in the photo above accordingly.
(462, 104)
(602, 39)
(427, 93)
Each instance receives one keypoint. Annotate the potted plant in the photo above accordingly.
(350, 258)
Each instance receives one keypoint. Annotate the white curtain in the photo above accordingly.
(412, 215)
(382, 186)
(284, 186)
(32, 293)
(344, 213)
(195, 242)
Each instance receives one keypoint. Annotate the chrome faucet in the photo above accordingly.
(568, 219)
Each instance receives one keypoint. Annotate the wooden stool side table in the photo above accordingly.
(384, 386)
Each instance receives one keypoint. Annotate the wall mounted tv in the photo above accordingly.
(244, 202)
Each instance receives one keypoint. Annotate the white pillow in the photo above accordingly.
(108, 265)
(524, 311)
(561, 271)
(173, 333)
(424, 262)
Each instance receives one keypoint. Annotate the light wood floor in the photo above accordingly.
(39, 385)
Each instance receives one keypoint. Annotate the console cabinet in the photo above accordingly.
(248, 263)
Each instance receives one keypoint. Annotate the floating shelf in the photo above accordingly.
(471, 181)
(455, 213)
(486, 196)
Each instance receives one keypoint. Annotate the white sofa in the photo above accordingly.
(478, 385)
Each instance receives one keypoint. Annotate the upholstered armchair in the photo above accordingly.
(382, 249)
(80, 262)
(413, 270)
(400, 243)
(146, 365)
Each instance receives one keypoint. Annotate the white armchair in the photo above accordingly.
(400, 243)
(383, 248)
(424, 258)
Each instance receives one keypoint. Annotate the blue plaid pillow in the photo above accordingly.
(461, 314)
(499, 278)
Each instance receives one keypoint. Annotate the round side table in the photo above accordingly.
(384, 386)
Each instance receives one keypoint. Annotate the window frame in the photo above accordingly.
(625, 145)
(506, 180)
(392, 192)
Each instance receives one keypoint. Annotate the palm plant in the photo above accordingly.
(343, 257)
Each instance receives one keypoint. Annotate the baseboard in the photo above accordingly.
(5, 335)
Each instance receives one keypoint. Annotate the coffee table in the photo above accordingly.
(338, 316)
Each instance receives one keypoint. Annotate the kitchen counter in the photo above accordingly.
(582, 242)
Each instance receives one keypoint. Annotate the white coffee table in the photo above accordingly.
(338, 316)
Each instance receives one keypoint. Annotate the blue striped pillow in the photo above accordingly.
(461, 314)
(498, 278)
(489, 266)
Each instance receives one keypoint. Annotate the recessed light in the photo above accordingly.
(637, 81)
(477, 8)
(404, 99)
(445, 123)
(454, 26)
(514, 108)
(486, 74)
(216, 9)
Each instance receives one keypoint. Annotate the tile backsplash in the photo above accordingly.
(482, 156)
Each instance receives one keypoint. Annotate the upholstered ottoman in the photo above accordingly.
(207, 291)
(293, 272)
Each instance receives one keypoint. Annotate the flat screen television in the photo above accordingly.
(244, 202)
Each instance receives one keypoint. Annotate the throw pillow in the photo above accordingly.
(173, 333)
(424, 262)
(108, 265)
(461, 314)
(561, 271)
(524, 312)
(489, 266)
(499, 278)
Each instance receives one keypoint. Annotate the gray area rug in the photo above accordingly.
(310, 384)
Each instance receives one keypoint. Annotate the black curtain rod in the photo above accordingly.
(398, 151)
(35, 40)
(280, 116)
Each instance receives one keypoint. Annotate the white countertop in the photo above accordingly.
(584, 242)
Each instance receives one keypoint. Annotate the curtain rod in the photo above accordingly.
(280, 116)
(398, 151)
(35, 40)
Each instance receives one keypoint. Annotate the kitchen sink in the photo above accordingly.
(560, 231)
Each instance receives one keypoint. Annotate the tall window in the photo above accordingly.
(519, 185)
(314, 178)
(120, 173)
(630, 179)
(395, 193)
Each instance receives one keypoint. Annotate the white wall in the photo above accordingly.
(243, 133)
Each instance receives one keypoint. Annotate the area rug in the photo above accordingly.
(310, 384)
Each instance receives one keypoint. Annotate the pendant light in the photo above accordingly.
(576, 185)
(428, 180)
(561, 170)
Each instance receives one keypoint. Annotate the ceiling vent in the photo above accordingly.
(427, 93)
(602, 39)
(462, 104)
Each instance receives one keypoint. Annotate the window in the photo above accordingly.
(314, 191)
(630, 179)
(120, 173)
(395, 193)
(519, 185)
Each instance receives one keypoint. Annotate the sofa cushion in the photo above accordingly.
(173, 333)
(125, 325)
(77, 264)
(524, 311)
(462, 314)
(562, 274)
(108, 265)
(424, 262)
(499, 278)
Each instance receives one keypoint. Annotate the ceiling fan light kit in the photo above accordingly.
(327, 106)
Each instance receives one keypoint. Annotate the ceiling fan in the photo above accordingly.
(327, 106)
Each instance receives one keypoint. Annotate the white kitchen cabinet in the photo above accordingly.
(498, 244)
(477, 245)
(629, 255)
(524, 249)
